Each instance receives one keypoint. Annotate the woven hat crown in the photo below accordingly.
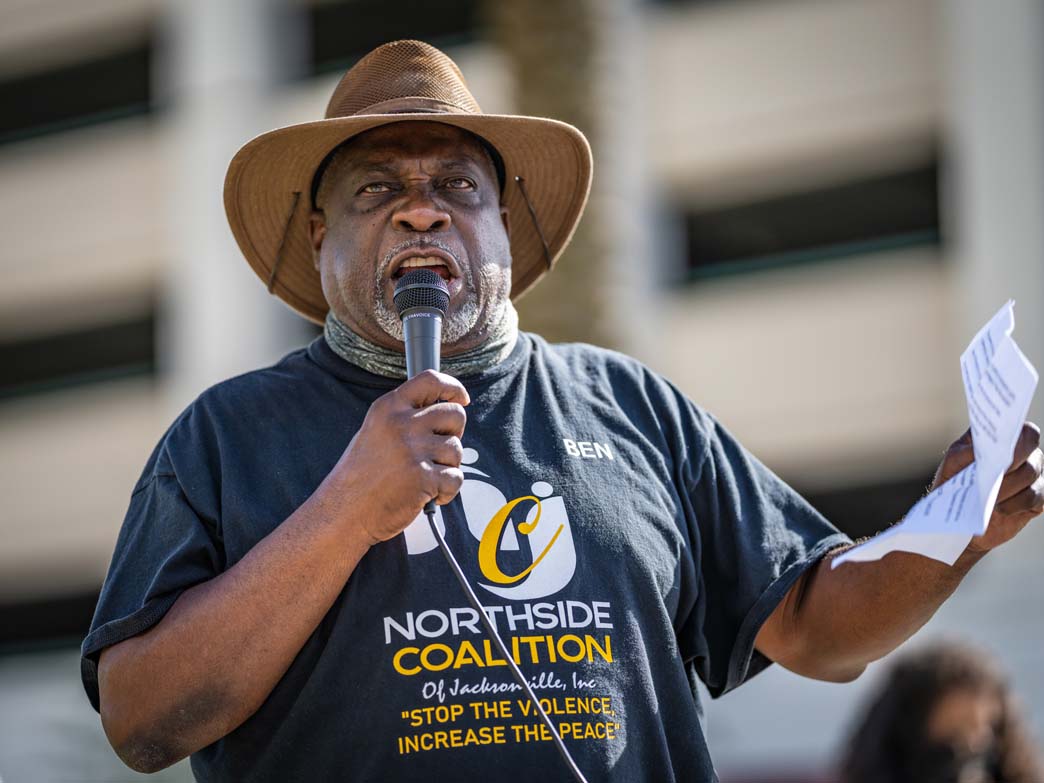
(402, 76)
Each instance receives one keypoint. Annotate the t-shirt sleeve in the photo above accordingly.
(164, 547)
(753, 537)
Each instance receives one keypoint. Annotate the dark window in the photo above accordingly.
(39, 363)
(857, 217)
(342, 32)
(46, 620)
(119, 83)
(111, 85)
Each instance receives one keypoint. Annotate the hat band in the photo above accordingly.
(409, 105)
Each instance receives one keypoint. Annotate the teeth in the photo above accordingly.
(411, 263)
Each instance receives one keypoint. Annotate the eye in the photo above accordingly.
(374, 187)
(460, 183)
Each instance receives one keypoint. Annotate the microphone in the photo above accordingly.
(421, 298)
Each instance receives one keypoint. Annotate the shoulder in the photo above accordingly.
(581, 355)
(258, 387)
(591, 366)
(239, 404)
(618, 384)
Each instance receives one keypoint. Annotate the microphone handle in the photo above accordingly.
(422, 333)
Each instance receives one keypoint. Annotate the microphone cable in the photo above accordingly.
(421, 299)
(429, 511)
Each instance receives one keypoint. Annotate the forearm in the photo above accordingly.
(836, 621)
(225, 643)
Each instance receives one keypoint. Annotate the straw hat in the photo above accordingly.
(269, 184)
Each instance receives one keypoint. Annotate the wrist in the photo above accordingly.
(344, 507)
(969, 557)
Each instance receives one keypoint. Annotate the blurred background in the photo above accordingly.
(803, 210)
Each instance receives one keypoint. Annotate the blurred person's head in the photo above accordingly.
(943, 714)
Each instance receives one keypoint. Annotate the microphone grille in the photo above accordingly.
(421, 288)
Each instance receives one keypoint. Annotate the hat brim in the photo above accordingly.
(268, 194)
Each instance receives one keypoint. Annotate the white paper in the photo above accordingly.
(999, 382)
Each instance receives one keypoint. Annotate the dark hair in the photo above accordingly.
(893, 728)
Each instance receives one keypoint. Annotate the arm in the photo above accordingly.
(832, 623)
(221, 648)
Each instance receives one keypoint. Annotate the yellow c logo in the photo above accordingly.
(490, 542)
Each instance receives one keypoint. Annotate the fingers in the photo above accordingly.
(443, 473)
(442, 418)
(961, 453)
(1029, 501)
(1021, 477)
(430, 387)
(1022, 490)
(446, 451)
(448, 482)
(1029, 440)
(425, 417)
(958, 456)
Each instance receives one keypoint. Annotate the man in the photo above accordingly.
(276, 607)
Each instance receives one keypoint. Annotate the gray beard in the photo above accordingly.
(501, 337)
(496, 282)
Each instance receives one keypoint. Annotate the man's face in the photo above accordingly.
(404, 195)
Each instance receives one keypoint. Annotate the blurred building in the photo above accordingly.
(833, 197)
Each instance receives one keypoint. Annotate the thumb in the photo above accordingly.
(958, 456)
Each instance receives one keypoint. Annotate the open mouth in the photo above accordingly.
(438, 261)
(437, 265)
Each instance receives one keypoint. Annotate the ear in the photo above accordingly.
(505, 218)
(316, 234)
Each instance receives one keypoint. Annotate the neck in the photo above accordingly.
(392, 364)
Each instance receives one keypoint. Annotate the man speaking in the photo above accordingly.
(277, 606)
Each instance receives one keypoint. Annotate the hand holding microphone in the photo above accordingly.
(407, 453)
(421, 299)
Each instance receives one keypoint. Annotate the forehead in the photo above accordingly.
(405, 140)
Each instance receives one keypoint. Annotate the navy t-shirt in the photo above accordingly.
(623, 543)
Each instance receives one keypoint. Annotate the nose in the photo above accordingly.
(420, 213)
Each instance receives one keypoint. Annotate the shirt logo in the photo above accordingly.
(497, 524)
(587, 449)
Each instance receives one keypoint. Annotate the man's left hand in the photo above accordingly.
(1021, 495)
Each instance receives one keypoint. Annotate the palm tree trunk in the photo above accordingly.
(564, 62)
